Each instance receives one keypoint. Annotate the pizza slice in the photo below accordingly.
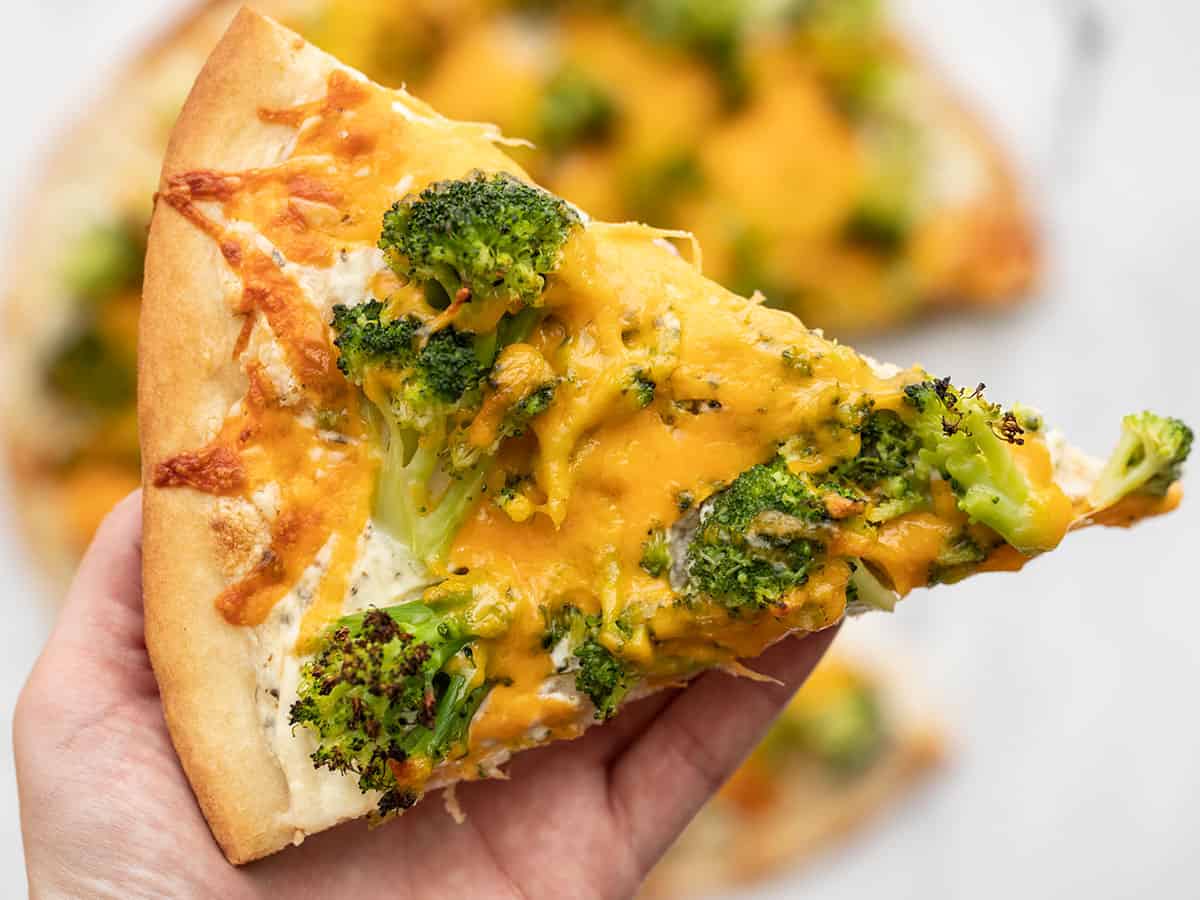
(440, 469)
(854, 741)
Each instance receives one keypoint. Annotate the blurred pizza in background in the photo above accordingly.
(817, 160)
(850, 746)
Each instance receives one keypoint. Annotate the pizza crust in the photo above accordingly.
(102, 163)
(188, 380)
(1003, 260)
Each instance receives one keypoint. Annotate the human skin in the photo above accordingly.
(107, 812)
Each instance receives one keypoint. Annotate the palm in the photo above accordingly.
(106, 806)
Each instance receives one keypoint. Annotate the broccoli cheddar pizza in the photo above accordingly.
(438, 468)
(815, 158)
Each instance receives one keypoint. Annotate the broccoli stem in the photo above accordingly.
(404, 505)
(867, 589)
(972, 442)
(997, 492)
(1148, 459)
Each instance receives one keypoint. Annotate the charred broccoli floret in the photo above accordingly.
(970, 441)
(755, 540)
(391, 689)
(486, 242)
(576, 109)
(1148, 459)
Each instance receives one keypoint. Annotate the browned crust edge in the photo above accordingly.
(37, 494)
(1005, 261)
(188, 380)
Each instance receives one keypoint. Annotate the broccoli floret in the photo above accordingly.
(423, 390)
(529, 407)
(436, 376)
(886, 467)
(602, 677)
(520, 387)
(752, 271)
(1149, 458)
(656, 553)
(798, 361)
(654, 192)
(714, 30)
(879, 224)
(599, 673)
(449, 367)
(567, 622)
(888, 448)
(106, 260)
(956, 559)
(855, 19)
(512, 498)
(641, 388)
(883, 219)
(365, 339)
(847, 732)
(487, 242)
(754, 541)
(92, 372)
(389, 688)
(576, 109)
(971, 441)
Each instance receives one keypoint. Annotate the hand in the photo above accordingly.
(107, 812)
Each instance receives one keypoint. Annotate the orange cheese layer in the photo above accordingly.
(603, 471)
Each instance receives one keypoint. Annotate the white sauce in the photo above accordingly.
(384, 574)
(344, 282)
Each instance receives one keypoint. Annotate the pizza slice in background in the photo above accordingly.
(815, 156)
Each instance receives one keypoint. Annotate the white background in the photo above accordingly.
(1071, 688)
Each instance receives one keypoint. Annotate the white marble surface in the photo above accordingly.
(1070, 688)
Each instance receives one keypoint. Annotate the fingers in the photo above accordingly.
(98, 639)
(697, 741)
